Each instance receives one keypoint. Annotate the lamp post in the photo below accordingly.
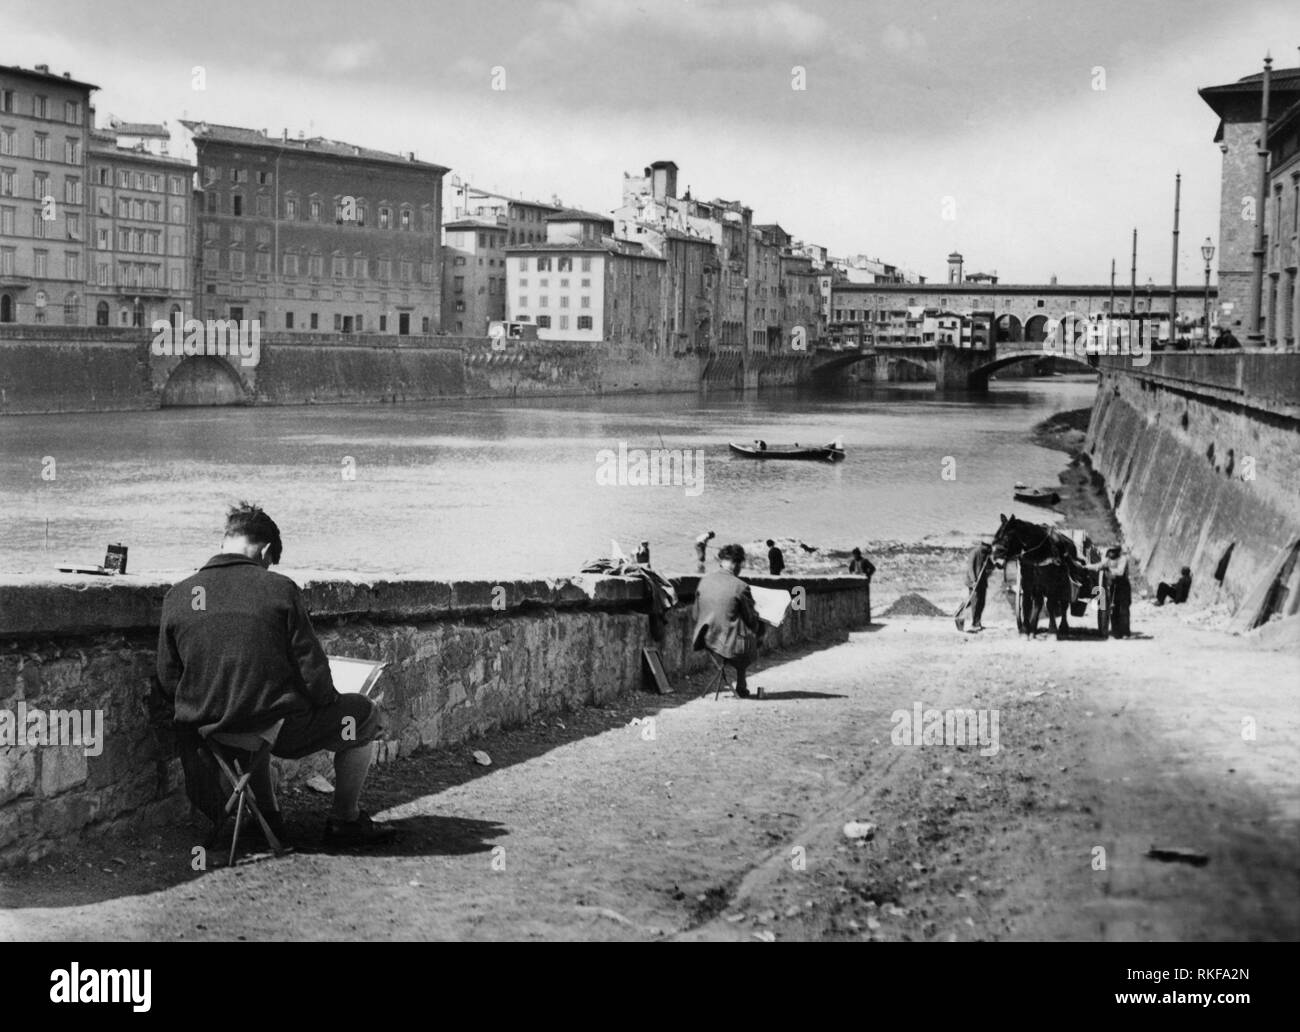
(1207, 252)
(1155, 337)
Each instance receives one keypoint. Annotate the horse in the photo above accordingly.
(1046, 559)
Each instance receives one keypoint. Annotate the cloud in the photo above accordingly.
(900, 41)
(696, 23)
(348, 57)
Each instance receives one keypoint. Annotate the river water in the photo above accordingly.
(498, 489)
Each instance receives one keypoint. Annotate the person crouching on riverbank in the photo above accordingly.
(237, 653)
(1176, 592)
(726, 623)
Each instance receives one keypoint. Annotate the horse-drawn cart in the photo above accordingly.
(1059, 581)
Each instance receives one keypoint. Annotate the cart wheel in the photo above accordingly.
(1020, 619)
(1103, 614)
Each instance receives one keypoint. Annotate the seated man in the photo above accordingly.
(1176, 592)
(726, 622)
(236, 653)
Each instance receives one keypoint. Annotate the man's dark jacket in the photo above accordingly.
(242, 653)
(725, 619)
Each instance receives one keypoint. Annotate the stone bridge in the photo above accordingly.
(949, 366)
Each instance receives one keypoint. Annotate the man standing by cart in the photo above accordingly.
(979, 566)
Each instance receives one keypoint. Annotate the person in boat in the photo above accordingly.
(726, 622)
(861, 564)
(702, 546)
(643, 553)
(775, 558)
(1176, 592)
(979, 567)
(1114, 566)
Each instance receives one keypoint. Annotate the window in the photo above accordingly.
(7, 260)
(71, 190)
(290, 207)
(263, 205)
(71, 112)
(39, 222)
(41, 264)
(407, 271)
(544, 321)
(565, 265)
(8, 141)
(338, 265)
(315, 265)
(523, 301)
(72, 265)
(543, 301)
(264, 179)
(238, 175)
(585, 302)
(586, 265)
(315, 211)
(386, 268)
(338, 322)
(564, 301)
(41, 147)
(177, 184)
(262, 261)
(584, 322)
(586, 283)
(426, 272)
(291, 265)
(523, 264)
(315, 322)
(458, 284)
(385, 218)
(383, 324)
(7, 181)
(543, 265)
(236, 204)
(39, 107)
(406, 218)
(238, 260)
(564, 282)
(74, 225)
(564, 322)
(361, 267)
(288, 320)
(460, 259)
(102, 241)
(6, 101)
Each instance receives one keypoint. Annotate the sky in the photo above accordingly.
(1033, 137)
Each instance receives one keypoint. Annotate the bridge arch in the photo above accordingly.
(203, 380)
(1009, 330)
(1036, 329)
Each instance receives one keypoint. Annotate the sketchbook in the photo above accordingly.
(355, 676)
(770, 604)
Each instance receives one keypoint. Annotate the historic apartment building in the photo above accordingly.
(314, 235)
(1238, 106)
(45, 123)
(477, 228)
(583, 285)
(140, 251)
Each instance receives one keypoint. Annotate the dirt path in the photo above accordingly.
(724, 820)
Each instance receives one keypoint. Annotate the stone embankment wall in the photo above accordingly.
(47, 369)
(464, 658)
(1200, 452)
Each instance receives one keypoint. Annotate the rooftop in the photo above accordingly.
(139, 129)
(577, 215)
(239, 136)
(43, 73)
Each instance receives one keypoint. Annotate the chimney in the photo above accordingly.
(410, 155)
(67, 75)
(43, 68)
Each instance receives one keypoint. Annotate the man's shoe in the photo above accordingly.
(361, 832)
(742, 692)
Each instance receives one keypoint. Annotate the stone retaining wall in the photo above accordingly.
(465, 658)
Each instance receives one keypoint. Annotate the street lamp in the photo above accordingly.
(1155, 336)
(1207, 252)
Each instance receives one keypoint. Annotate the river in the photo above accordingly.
(494, 489)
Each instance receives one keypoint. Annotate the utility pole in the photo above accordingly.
(1173, 276)
(1133, 288)
(1256, 335)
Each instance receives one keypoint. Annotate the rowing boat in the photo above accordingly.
(824, 453)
